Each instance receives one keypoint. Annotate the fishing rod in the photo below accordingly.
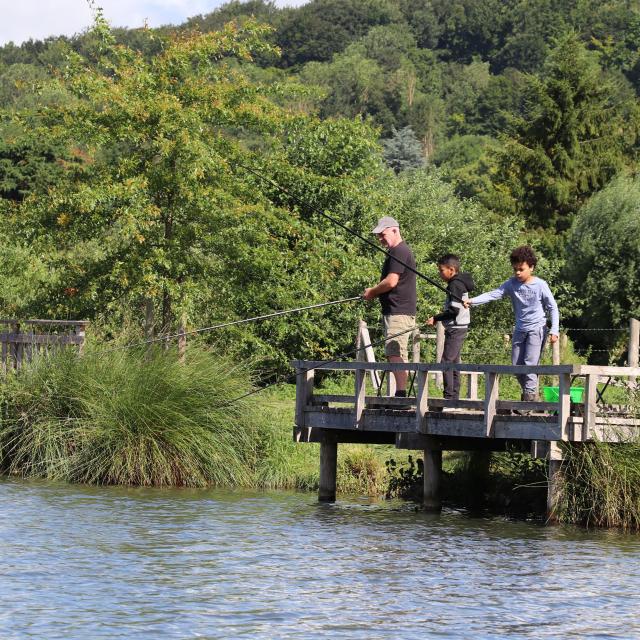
(346, 228)
(232, 323)
(327, 363)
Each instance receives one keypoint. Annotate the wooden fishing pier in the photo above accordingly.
(433, 425)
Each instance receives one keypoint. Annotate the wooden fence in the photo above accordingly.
(23, 340)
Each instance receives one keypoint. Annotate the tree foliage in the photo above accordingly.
(403, 150)
(577, 130)
(604, 258)
(162, 208)
(122, 151)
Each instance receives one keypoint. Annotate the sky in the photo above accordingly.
(38, 19)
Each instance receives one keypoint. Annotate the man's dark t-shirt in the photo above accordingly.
(401, 300)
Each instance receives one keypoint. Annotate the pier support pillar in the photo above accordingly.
(553, 490)
(328, 471)
(432, 474)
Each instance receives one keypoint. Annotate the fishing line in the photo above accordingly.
(232, 323)
(346, 228)
(320, 366)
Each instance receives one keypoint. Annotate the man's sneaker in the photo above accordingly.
(528, 396)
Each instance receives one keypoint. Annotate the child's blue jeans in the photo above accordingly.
(526, 348)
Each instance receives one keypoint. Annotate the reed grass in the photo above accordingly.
(601, 485)
(124, 417)
(601, 481)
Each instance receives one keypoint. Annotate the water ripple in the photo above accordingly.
(108, 562)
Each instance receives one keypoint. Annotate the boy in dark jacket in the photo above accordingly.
(455, 318)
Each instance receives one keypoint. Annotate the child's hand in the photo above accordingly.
(553, 338)
(466, 303)
(431, 321)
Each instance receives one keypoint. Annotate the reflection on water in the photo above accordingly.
(81, 562)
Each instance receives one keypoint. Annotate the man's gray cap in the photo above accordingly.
(385, 223)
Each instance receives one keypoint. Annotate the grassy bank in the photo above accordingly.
(118, 417)
(124, 417)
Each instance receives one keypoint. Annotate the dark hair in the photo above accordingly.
(449, 260)
(523, 254)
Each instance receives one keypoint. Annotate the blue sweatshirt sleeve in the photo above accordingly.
(551, 308)
(490, 296)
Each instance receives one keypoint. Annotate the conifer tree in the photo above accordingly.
(403, 150)
(576, 131)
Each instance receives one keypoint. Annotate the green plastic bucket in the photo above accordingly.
(551, 394)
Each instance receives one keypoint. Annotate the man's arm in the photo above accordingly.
(388, 283)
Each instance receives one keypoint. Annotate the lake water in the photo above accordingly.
(83, 562)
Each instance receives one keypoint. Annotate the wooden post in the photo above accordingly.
(439, 352)
(182, 340)
(16, 346)
(5, 356)
(391, 384)
(360, 395)
(415, 341)
(554, 481)
(304, 394)
(590, 407)
(360, 355)
(365, 353)
(432, 474)
(555, 360)
(28, 348)
(80, 331)
(491, 390)
(555, 352)
(564, 343)
(422, 400)
(564, 405)
(472, 388)
(634, 347)
(328, 470)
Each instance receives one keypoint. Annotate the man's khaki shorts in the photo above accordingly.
(394, 325)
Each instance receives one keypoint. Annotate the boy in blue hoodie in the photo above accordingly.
(532, 300)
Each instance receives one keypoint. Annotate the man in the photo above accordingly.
(397, 293)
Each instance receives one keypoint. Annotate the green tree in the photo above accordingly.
(161, 207)
(403, 151)
(469, 163)
(353, 85)
(577, 128)
(604, 259)
(318, 30)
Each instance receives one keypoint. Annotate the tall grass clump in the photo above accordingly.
(601, 485)
(124, 417)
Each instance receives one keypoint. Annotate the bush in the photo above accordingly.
(116, 417)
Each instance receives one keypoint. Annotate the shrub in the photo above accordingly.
(118, 417)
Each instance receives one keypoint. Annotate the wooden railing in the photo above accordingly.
(490, 405)
(23, 340)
